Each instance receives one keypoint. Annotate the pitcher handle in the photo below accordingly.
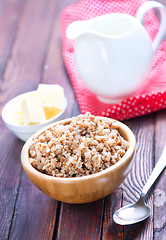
(162, 30)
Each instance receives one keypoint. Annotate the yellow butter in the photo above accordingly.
(51, 112)
(31, 123)
(19, 118)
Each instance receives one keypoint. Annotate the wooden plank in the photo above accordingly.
(34, 212)
(160, 187)
(10, 12)
(76, 109)
(110, 229)
(9, 166)
(130, 189)
(54, 69)
(43, 212)
(10, 170)
(80, 221)
(24, 71)
(27, 213)
(28, 53)
(144, 159)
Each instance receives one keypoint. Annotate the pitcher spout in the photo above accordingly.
(76, 29)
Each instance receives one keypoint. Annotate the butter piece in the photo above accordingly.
(32, 109)
(19, 118)
(51, 95)
(51, 112)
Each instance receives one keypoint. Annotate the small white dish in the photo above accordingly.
(21, 131)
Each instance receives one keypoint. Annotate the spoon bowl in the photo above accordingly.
(132, 213)
(139, 211)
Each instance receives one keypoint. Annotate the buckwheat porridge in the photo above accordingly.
(85, 146)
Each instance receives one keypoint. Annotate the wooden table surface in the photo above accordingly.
(31, 53)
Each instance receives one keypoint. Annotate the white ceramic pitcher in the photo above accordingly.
(113, 52)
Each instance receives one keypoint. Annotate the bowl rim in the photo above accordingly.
(129, 154)
(28, 127)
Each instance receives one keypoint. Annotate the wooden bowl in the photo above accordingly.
(81, 189)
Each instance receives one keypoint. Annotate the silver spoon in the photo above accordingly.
(139, 211)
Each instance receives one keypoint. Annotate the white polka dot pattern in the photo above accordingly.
(150, 97)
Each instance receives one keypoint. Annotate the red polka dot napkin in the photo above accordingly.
(151, 97)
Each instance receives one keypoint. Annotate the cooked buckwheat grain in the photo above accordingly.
(87, 145)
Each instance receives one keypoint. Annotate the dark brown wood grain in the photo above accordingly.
(54, 70)
(130, 189)
(24, 68)
(10, 14)
(23, 73)
(142, 167)
(81, 221)
(30, 53)
(112, 230)
(49, 58)
(10, 168)
(160, 186)
(34, 212)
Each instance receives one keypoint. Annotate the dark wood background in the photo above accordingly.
(30, 53)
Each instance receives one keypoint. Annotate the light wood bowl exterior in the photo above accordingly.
(81, 189)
